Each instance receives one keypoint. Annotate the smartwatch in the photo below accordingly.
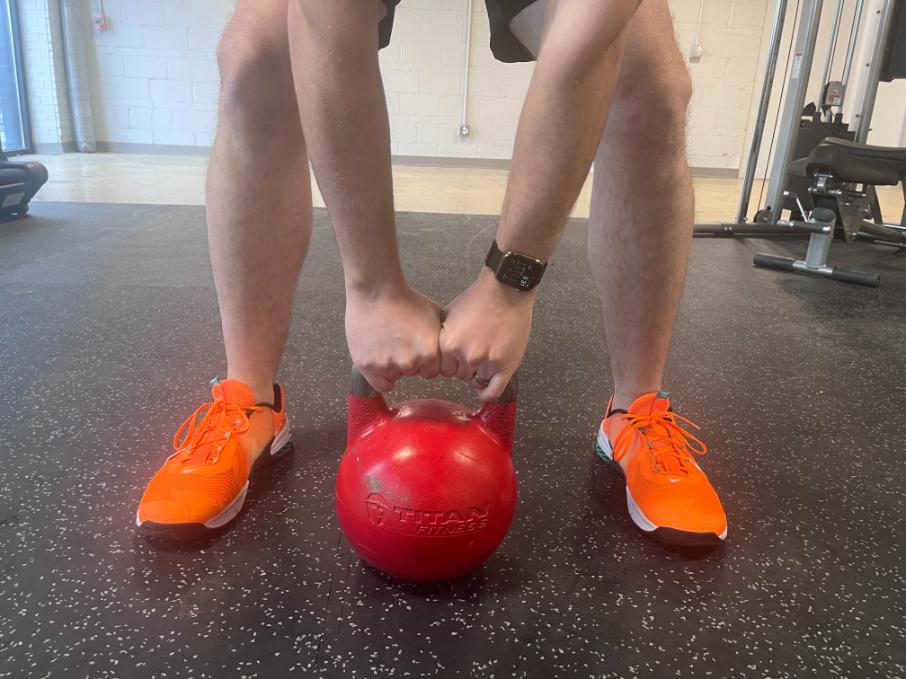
(515, 268)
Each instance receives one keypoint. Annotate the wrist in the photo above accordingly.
(386, 283)
(489, 281)
(514, 268)
(505, 244)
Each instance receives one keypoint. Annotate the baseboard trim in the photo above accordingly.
(413, 161)
(715, 172)
(152, 149)
(451, 161)
(504, 164)
(55, 147)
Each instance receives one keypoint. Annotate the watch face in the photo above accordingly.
(520, 271)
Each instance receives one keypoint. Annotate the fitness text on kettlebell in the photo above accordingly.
(425, 522)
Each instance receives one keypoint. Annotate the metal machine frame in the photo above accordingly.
(856, 205)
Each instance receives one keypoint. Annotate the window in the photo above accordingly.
(14, 132)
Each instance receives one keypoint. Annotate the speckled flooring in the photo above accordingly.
(109, 333)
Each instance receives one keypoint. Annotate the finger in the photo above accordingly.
(448, 365)
(409, 368)
(465, 371)
(498, 383)
(430, 368)
(379, 382)
(386, 376)
(390, 372)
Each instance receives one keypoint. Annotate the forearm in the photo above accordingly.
(562, 121)
(344, 118)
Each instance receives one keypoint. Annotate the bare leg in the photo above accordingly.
(640, 233)
(642, 203)
(642, 207)
(258, 193)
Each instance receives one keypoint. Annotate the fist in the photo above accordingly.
(392, 333)
(485, 333)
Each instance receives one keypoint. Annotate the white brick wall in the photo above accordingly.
(154, 74)
(889, 120)
(155, 78)
(424, 67)
(724, 79)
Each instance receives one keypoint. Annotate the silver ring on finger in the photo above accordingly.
(480, 381)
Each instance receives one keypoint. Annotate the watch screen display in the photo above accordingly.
(520, 272)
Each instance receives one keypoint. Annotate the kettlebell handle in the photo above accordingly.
(367, 408)
(359, 386)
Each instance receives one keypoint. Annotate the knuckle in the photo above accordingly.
(476, 357)
(427, 356)
(497, 359)
(447, 344)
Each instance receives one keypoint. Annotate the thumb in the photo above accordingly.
(496, 386)
(378, 382)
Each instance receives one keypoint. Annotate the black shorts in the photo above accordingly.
(505, 46)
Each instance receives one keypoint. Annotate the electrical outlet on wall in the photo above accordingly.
(101, 23)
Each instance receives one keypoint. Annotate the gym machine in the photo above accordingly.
(19, 182)
(829, 189)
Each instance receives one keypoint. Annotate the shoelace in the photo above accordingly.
(220, 419)
(663, 433)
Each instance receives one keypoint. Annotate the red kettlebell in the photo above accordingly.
(426, 490)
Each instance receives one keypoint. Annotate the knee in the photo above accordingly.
(256, 86)
(657, 103)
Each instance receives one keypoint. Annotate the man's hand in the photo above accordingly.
(485, 332)
(393, 332)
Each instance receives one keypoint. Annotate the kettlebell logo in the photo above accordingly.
(425, 522)
(377, 508)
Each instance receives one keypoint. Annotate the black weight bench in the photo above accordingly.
(19, 182)
(857, 163)
(843, 176)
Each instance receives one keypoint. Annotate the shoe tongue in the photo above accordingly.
(232, 391)
(650, 404)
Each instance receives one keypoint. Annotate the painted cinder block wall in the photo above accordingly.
(154, 78)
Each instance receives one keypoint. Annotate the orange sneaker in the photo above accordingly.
(202, 486)
(667, 493)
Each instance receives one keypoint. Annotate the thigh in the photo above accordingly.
(651, 56)
(264, 23)
(650, 46)
(329, 18)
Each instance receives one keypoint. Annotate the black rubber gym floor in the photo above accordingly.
(109, 333)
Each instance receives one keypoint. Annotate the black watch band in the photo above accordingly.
(515, 269)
